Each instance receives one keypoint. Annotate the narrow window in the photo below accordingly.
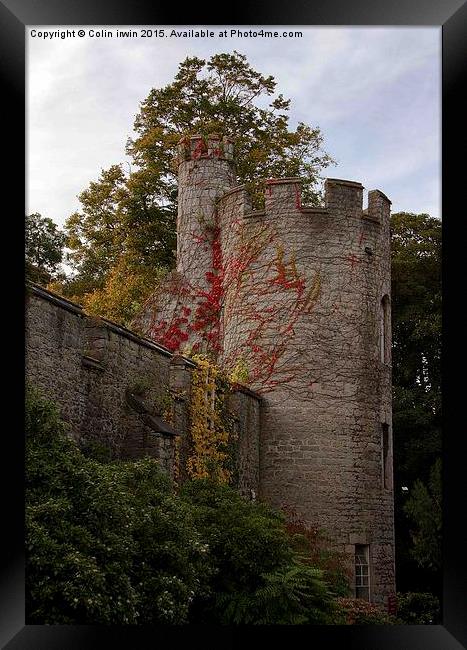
(384, 329)
(385, 453)
(362, 571)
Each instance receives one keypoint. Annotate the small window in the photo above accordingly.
(384, 330)
(385, 454)
(362, 571)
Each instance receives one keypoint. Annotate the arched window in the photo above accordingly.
(384, 330)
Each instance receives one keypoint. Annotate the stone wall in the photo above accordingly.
(322, 446)
(112, 386)
(322, 275)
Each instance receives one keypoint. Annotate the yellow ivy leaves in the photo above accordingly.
(209, 435)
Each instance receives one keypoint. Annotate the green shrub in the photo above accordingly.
(170, 565)
(111, 543)
(95, 450)
(77, 534)
(106, 543)
(356, 611)
(258, 578)
(237, 531)
(315, 549)
(418, 608)
(293, 594)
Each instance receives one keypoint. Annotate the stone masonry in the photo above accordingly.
(326, 432)
(101, 375)
(304, 309)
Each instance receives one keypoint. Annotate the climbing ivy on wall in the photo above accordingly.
(211, 431)
(188, 317)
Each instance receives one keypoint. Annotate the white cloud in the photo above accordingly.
(374, 92)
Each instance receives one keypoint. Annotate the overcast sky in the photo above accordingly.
(375, 93)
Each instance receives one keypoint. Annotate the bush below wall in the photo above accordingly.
(112, 543)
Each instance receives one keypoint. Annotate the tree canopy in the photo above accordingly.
(416, 354)
(126, 226)
(423, 508)
(44, 243)
(226, 95)
(416, 357)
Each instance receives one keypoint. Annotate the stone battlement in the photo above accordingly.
(284, 193)
(213, 146)
(284, 196)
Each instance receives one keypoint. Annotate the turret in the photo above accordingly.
(206, 170)
(310, 320)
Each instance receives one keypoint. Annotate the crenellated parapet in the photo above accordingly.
(282, 193)
(344, 196)
(213, 146)
(283, 200)
(379, 206)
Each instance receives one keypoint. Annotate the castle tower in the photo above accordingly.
(206, 171)
(181, 308)
(306, 318)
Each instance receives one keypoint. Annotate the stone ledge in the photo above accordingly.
(283, 181)
(341, 181)
(92, 363)
(237, 188)
(254, 213)
(54, 298)
(310, 209)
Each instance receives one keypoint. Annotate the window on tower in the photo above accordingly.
(385, 453)
(362, 571)
(384, 330)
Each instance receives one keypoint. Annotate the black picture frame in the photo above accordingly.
(15, 15)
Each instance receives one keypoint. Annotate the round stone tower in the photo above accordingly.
(206, 170)
(305, 315)
(176, 311)
(322, 275)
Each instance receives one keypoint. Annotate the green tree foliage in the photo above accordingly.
(127, 220)
(226, 95)
(418, 608)
(293, 594)
(416, 309)
(44, 244)
(259, 578)
(424, 510)
(416, 325)
(123, 291)
(121, 219)
(314, 547)
(111, 543)
(106, 543)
